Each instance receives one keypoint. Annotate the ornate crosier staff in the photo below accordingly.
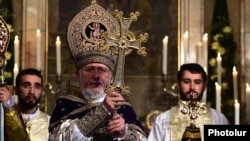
(4, 41)
(122, 44)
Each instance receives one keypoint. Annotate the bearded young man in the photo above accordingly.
(171, 124)
(26, 114)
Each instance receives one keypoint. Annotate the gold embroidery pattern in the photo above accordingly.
(179, 122)
(84, 105)
(92, 121)
(13, 124)
(38, 125)
(132, 134)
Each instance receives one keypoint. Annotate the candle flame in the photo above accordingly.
(205, 36)
(234, 69)
(186, 34)
(16, 38)
(58, 38)
(236, 101)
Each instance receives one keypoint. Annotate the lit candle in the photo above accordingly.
(38, 49)
(218, 96)
(219, 60)
(58, 56)
(236, 112)
(204, 96)
(248, 102)
(185, 48)
(15, 72)
(165, 55)
(204, 42)
(16, 50)
(199, 51)
(235, 83)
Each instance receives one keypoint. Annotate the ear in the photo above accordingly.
(15, 99)
(15, 92)
(111, 77)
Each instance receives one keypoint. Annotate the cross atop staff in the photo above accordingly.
(123, 43)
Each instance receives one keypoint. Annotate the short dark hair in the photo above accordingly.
(193, 68)
(28, 71)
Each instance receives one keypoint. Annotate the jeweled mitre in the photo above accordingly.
(85, 36)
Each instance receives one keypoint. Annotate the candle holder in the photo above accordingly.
(160, 99)
(165, 87)
(54, 89)
(51, 91)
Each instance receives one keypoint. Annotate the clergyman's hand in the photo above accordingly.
(113, 101)
(5, 95)
(116, 126)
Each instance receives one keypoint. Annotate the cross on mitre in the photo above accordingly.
(122, 43)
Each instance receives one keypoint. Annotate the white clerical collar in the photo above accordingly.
(31, 116)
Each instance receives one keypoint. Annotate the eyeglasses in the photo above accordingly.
(28, 85)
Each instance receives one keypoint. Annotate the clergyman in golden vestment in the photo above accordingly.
(24, 121)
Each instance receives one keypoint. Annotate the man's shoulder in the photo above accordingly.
(44, 113)
(214, 111)
(164, 114)
(218, 117)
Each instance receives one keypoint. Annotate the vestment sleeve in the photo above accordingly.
(14, 127)
(92, 121)
(134, 134)
(134, 128)
(80, 128)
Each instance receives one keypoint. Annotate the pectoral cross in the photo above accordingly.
(123, 43)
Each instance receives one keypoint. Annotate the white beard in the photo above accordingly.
(89, 95)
